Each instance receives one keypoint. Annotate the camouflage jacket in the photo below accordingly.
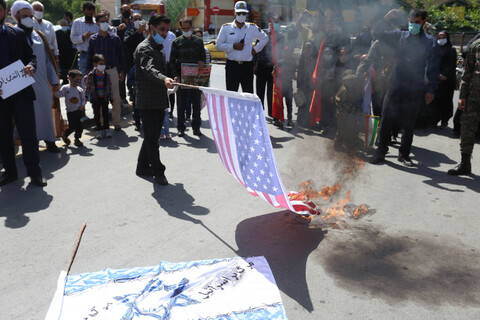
(470, 85)
(344, 101)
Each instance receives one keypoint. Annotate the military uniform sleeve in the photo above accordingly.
(222, 38)
(470, 62)
(263, 39)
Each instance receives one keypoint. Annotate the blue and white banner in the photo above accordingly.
(235, 288)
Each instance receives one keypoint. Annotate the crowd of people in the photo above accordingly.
(101, 62)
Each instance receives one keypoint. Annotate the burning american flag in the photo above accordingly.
(243, 143)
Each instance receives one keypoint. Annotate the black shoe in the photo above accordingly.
(138, 127)
(144, 172)
(181, 134)
(197, 133)
(461, 169)
(405, 160)
(118, 128)
(278, 123)
(52, 147)
(6, 178)
(377, 158)
(66, 140)
(161, 180)
(38, 181)
(78, 143)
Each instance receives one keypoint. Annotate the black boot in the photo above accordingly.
(465, 167)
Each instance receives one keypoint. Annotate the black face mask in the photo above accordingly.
(126, 14)
(88, 19)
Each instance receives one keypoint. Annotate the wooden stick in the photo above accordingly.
(185, 85)
(75, 249)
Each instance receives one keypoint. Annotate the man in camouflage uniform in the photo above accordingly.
(469, 102)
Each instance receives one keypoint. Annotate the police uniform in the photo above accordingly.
(470, 91)
(239, 67)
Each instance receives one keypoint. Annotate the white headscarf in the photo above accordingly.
(19, 5)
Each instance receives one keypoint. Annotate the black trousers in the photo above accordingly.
(100, 111)
(265, 78)
(239, 73)
(400, 109)
(195, 99)
(149, 156)
(74, 123)
(22, 111)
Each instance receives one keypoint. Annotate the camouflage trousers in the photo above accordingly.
(469, 125)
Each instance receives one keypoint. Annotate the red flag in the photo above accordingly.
(316, 105)
(277, 99)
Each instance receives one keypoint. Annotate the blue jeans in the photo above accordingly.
(82, 63)
(166, 124)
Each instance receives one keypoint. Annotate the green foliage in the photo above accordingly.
(453, 18)
(175, 9)
(54, 9)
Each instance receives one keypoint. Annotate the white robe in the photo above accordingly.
(45, 75)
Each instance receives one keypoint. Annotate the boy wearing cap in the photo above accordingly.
(236, 38)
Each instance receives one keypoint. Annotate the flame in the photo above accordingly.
(308, 190)
(360, 211)
(336, 210)
(328, 191)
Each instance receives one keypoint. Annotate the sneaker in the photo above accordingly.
(66, 140)
(107, 133)
(78, 143)
(405, 160)
(99, 134)
(168, 136)
(162, 137)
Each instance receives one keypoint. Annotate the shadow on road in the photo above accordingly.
(118, 140)
(420, 268)
(202, 142)
(177, 202)
(286, 242)
(16, 202)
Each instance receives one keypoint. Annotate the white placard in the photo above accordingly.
(13, 80)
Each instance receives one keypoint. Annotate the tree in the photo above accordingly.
(54, 9)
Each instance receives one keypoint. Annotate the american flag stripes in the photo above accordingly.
(243, 143)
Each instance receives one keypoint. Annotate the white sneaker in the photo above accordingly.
(99, 134)
(108, 133)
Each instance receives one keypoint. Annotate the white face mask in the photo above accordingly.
(241, 18)
(442, 42)
(137, 23)
(101, 67)
(38, 15)
(27, 22)
(187, 34)
(104, 26)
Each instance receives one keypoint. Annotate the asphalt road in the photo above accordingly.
(414, 255)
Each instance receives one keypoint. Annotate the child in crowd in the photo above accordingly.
(98, 91)
(288, 69)
(75, 105)
(165, 131)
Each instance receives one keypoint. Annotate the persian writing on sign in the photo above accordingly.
(13, 79)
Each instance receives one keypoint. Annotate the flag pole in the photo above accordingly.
(185, 85)
(75, 249)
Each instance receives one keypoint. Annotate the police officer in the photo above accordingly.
(469, 102)
(236, 40)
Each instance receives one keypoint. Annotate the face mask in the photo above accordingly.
(104, 26)
(414, 28)
(88, 19)
(442, 42)
(65, 28)
(77, 82)
(187, 34)
(136, 24)
(241, 18)
(158, 38)
(126, 14)
(276, 26)
(101, 67)
(145, 35)
(38, 15)
(27, 22)
(136, 11)
(327, 57)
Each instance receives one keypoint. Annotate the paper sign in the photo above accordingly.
(194, 75)
(13, 80)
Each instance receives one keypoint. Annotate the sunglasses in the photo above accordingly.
(241, 13)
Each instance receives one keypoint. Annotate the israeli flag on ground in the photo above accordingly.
(235, 288)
